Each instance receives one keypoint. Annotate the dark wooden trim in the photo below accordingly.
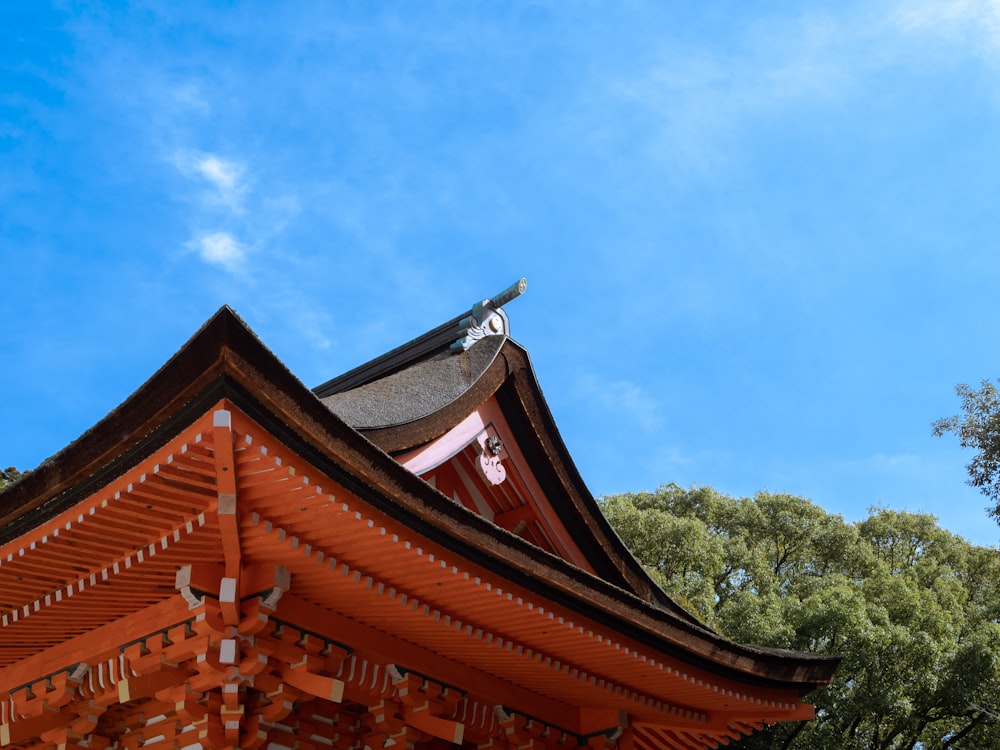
(399, 358)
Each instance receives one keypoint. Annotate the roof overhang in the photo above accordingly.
(224, 367)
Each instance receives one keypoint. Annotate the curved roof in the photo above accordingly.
(427, 388)
(423, 400)
(225, 360)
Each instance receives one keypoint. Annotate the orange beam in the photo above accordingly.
(511, 518)
(392, 650)
(97, 644)
(225, 469)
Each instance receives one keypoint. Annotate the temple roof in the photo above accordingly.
(358, 431)
(421, 389)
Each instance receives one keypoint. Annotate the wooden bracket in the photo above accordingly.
(229, 530)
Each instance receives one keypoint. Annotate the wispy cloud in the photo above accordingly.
(624, 399)
(950, 14)
(218, 201)
(692, 103)
(225, 178)
(973, 24)
(692, 107)
(187, 97)
(220, 249)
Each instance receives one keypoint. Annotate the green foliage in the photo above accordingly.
(978, 427)
(913, 610)
(8, 476)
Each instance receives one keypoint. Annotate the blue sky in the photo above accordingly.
(761, 239)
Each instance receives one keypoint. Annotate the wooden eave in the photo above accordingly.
(511, 379)
(369, 606)
(226, 361)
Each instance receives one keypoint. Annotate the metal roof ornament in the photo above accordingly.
(491, 457)
(487, 318)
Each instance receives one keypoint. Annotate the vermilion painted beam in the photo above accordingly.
(96, 644)
(445, 729)
(229, 529)
(390, 649)
(510, 518)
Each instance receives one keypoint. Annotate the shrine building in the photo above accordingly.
(404, 557)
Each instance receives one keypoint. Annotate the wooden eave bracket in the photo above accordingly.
(533, 734)
(49, 693)
(229, 530)
(426, 705)
(195, 581)
(511, 519)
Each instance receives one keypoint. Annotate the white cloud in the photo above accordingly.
(222, 202)
(224, 177)
(220, 249)
(223, 174)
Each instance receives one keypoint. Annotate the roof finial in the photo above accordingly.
(487, 318)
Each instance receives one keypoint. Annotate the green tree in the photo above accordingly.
(978, 427)
(912, 609)
(8, 476)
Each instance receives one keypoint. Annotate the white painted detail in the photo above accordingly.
(227, 651)
(227, 590)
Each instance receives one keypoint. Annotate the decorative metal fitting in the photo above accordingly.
(494, 445)
(486, 318)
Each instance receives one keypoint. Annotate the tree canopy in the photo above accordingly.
(8, 476)
(913, 609)
(978, 427)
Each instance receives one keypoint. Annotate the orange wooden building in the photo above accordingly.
(405, 556)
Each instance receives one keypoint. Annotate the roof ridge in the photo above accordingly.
(484, 318)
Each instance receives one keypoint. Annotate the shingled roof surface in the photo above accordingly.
(416, 391)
